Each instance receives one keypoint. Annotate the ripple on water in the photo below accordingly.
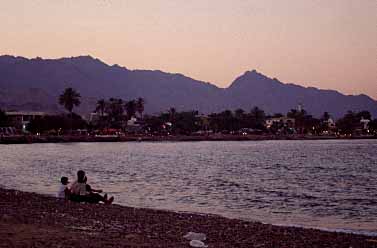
(328, 184)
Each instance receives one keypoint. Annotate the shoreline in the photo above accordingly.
(34, 220)
(30, 139)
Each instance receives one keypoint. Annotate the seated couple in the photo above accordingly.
(80, 191)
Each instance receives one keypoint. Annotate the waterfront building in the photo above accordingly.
(287, 122)
(20, 119)
(364, 123)
(330, 123)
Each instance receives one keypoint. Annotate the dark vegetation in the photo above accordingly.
(115, 113)
(3, 118)
(57, 124)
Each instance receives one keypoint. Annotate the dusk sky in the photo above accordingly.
(320, 43)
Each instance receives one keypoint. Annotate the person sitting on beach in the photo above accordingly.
(78, 188)
(93, 195)
(63, 191)
(80, 192)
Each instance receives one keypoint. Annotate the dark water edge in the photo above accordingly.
(305, 227)
(30, 139)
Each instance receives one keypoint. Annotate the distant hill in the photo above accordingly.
(34, 84)
(274, 96)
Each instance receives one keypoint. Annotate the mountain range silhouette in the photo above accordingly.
(34, 84)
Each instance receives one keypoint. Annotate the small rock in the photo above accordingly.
(197, 243)
(195, 236)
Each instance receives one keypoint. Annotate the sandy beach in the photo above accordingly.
(33, 220)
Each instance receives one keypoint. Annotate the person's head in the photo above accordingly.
(64, 180)
(85, 179)
(80, 176)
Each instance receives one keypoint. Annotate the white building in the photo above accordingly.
(289, 122)
(330, 123)
(364, 123)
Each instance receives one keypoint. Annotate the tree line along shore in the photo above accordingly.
(33, 220)
(117, 117)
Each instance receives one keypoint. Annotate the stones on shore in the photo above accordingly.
(32, 220)
(198, 244)
(195, 236)
(196, 239)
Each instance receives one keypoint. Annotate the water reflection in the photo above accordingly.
(312, 183)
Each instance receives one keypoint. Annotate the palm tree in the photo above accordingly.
(172, 114)
(69, 98)
(140, 102)
(101, 107)
(114, 110)
(258, 116)
(131, 108)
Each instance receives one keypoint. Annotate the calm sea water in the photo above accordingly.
(324, 184)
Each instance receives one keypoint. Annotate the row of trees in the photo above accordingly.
(351, 122)
(228, 121)
(188, 122)
(57, 124)
(185, 122)
(112, 114)
(348, 124)
(234, 121)
(115, 112)
(112, 111)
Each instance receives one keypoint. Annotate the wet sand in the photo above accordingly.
(33, 220)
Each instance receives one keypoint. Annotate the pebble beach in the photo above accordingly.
(34, 220)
